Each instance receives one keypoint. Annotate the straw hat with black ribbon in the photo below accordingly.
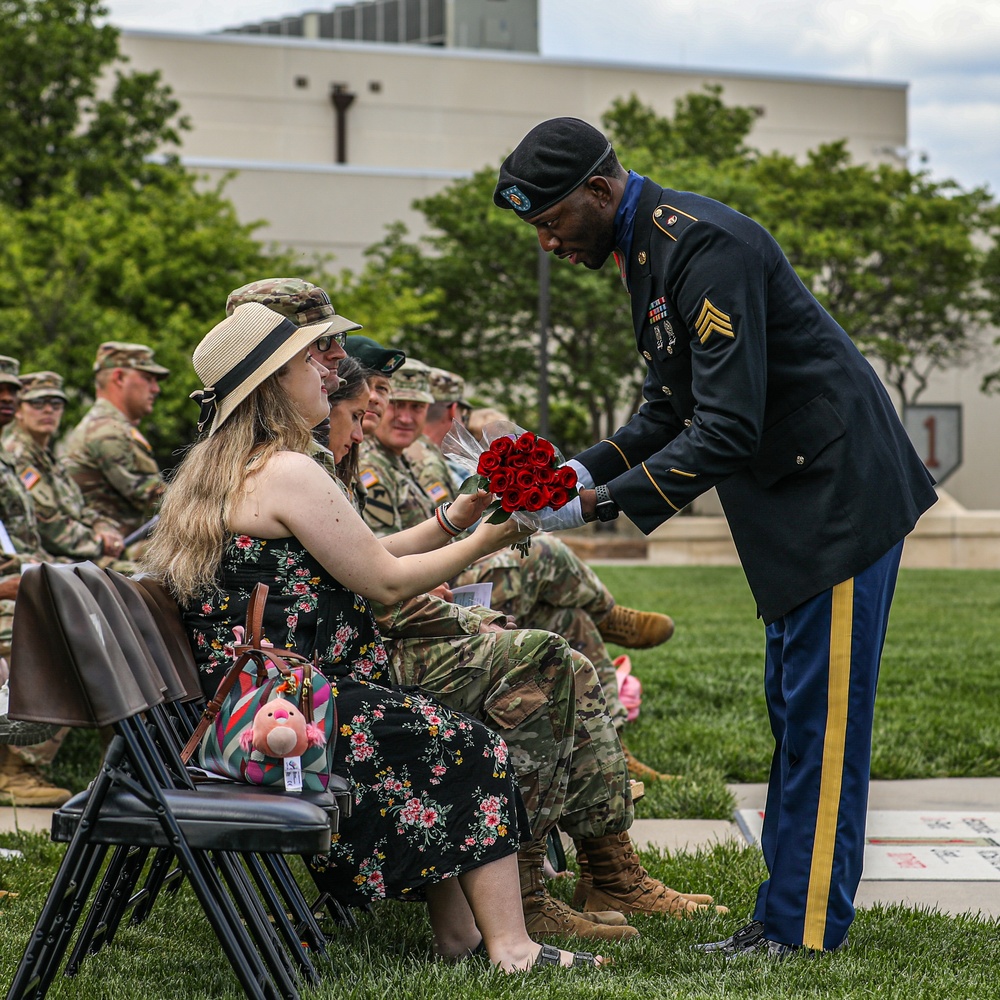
(241, 352)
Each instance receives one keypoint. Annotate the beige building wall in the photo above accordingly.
(976, 482)
(423, 116)
(261, 104)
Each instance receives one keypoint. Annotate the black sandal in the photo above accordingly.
(549, 955)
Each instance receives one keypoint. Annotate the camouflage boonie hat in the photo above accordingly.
(9, 369)
(300, 301)
(447, 387)
(116, 354)
(412, 383)
(40, 385)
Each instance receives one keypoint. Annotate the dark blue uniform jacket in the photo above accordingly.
(753, 388)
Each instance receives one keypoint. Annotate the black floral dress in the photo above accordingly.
(434, 795)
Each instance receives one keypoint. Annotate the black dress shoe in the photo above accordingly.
(750, 937)
(779, 952)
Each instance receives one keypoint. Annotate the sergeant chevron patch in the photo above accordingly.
(712, 320)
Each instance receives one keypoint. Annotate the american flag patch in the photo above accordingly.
(30, 477)
(436, 491)
(658, 309)
(368, 478)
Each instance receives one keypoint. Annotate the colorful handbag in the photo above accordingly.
(273, 719)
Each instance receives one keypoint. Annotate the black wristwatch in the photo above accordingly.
(606, 508)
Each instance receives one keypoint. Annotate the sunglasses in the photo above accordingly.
(325, 342)
(39, 404)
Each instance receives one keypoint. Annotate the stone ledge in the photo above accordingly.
(946, 537)
(590, 548)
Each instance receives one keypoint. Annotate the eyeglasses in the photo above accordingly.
(327, 340)
(39, 404)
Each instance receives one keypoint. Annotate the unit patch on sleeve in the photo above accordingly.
(712, 320)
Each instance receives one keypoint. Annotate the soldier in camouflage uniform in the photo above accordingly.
(21, 784)
(436, 475)
(551, 588)
(106, 454)
(17, 512)
(69, 530)
(542, 697)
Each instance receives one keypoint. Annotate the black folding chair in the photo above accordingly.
(288, 910)
(73, 669)
(338, 798)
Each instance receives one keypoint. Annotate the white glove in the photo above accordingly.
(570, 516)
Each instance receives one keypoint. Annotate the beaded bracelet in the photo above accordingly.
(444, 523)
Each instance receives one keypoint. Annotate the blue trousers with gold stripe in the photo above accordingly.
(820, 675)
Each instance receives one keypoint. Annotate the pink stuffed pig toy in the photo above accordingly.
(280, 730)
(629, 688)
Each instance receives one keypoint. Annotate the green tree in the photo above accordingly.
(703, 129)
(97, 243)
(909, 266)
(382, 294)
(53, 54)
(478, 274)
(484, 266)
(150, 263)
(896, 257)
(991, 282)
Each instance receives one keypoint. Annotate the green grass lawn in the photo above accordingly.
(703, 717)
(703, 714)
(894, 952)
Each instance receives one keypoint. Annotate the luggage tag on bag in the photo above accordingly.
(293, 774)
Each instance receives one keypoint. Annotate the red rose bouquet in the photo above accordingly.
(524, 471)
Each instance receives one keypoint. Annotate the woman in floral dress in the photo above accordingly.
(437, 813)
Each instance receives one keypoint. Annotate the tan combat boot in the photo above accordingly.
(635, 629)
(21, 784)
(612, 877)
(639, 772)
(545, 915)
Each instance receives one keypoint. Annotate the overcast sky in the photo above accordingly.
(947, 50)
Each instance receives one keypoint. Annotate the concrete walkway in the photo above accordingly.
(939, 794)
(36, 820)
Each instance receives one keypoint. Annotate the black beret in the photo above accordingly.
(375, 357)
(552, 160)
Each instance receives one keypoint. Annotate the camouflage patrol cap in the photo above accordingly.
(375, 357)
(412, 383)
(300, 301)
(40, 385)
(447, 387)
(9, 369)
(116, 354)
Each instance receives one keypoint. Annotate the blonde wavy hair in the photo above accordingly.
(186, 546)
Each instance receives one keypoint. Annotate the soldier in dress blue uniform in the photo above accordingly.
(751, 387)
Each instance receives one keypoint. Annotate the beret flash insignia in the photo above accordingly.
(517, 198)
